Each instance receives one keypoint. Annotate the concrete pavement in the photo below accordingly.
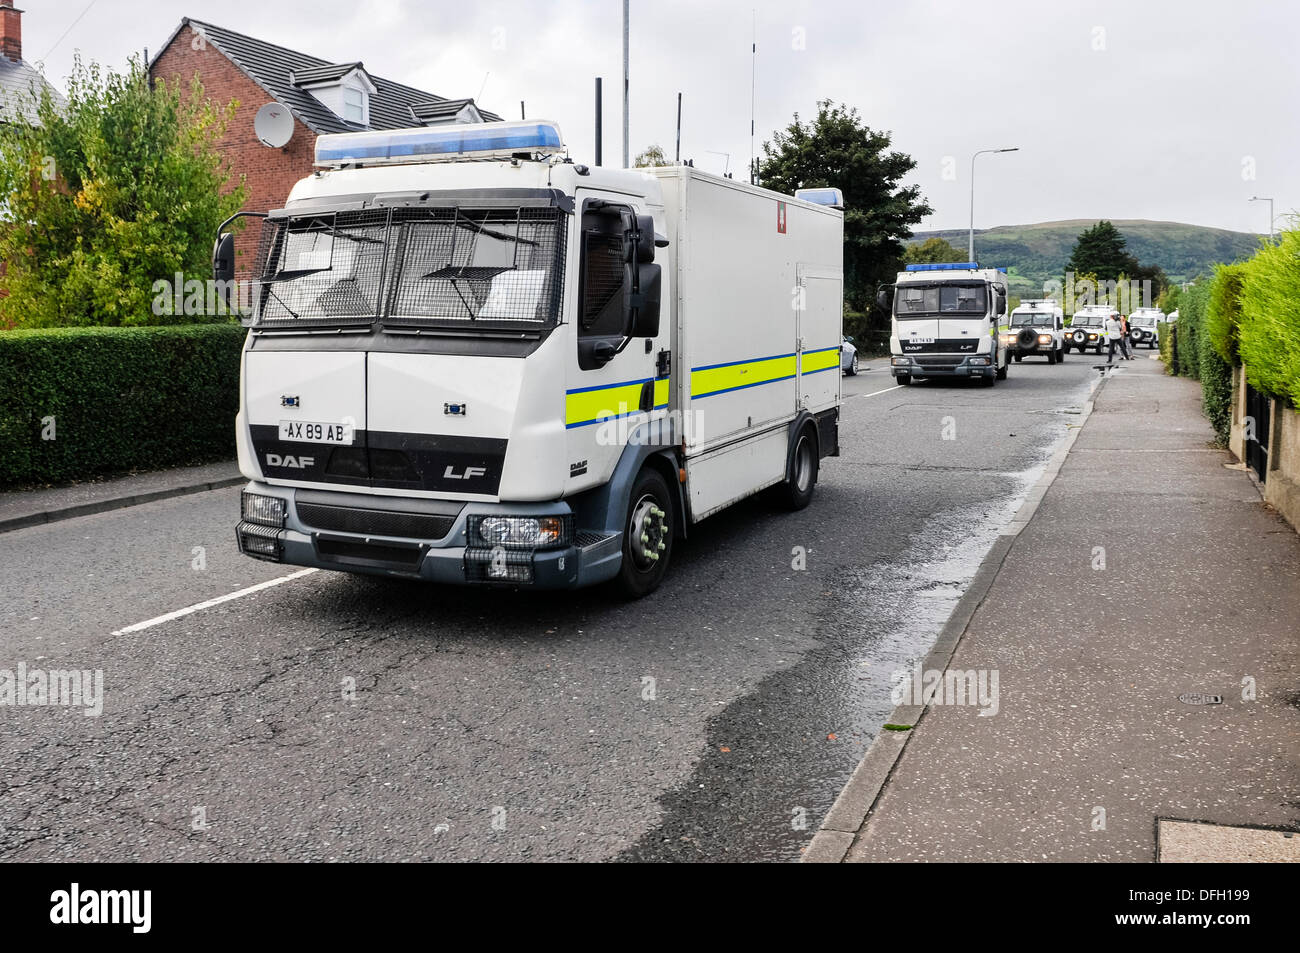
(1150, 573)
(22, 508)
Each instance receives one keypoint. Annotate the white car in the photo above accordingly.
(849, 357)
(1144, 327)
(1036, 329)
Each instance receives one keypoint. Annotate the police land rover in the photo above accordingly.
(1037, 330)
(1144, 327)
(1088, 329)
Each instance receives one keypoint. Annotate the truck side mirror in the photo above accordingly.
(645, 301)
(1002, 303)
(223, 258)
(643, 245)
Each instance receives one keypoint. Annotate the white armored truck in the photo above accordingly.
(471, 360)
(945, 322)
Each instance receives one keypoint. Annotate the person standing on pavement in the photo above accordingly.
(1123, 337)
(1114, 335)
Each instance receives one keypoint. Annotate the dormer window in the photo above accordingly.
(345, 88)
(354, 105)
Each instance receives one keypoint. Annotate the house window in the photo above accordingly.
(354, 105)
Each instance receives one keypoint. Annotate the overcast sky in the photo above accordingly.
(1176, 110)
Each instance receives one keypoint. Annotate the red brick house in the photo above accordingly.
(321, 96)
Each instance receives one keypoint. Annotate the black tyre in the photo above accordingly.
(1060, 355)
(797, 491)
(853, 367)
(1051, 357)
(648, 536)
(904, 379)
(1065, 348)
(1019, 357)
(1002, 372)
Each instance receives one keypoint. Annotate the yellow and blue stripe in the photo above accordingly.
(713, 379)
(584, 406)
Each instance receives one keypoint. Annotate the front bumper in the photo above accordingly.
(382, 550)
(943, 365)
(1087, 342)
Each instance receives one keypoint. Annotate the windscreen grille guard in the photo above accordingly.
(486, 268)
(446, 267)
(322, 270)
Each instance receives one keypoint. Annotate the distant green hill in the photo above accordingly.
(1033, 254)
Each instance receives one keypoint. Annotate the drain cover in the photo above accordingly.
(1200, 698)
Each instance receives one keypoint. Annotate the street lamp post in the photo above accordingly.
(971, 249)
(1256, 198)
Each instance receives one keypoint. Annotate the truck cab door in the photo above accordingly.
(617, 377)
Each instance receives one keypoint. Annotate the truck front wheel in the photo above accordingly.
(648, 536)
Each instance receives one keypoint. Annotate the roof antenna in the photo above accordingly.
(484, 86)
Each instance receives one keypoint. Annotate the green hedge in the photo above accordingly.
(1223, 313)
(118, 399)
(1270, 318)
(1167, 332)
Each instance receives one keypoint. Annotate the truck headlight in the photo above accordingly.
(262, 510)
(521, 532)
(901, 361)
(979, 360)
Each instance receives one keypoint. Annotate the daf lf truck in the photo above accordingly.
(471, 360)
(945, 322)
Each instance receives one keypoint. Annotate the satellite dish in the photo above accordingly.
(273, 125)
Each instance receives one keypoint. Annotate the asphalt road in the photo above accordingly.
(340, 717)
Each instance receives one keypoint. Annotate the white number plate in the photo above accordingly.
(920, 340)
(307, 431)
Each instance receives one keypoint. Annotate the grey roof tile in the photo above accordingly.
(277, 68)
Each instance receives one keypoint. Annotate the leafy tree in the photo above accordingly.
(652, 157)
(1101, 250)
(932, 251)
(117, 188)
(837, 150)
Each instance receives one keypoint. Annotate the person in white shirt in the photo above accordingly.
(1115, 337)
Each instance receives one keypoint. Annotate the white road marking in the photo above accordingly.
(189, 610)
(885, 391)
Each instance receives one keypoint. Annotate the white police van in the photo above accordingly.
(944, 322)
(472, 360)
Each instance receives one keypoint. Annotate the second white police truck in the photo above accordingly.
(945, 322)
(472, 360)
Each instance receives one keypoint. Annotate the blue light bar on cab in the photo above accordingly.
(438, 143)
(951, 266)
(832, 198)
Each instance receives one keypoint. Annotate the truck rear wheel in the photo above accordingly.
(647, 536)
(797, 491)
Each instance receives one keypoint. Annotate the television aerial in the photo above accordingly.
(273, 125)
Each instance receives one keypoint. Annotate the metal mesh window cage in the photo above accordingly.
(498, 267)
(322, 269)
(604, 277)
